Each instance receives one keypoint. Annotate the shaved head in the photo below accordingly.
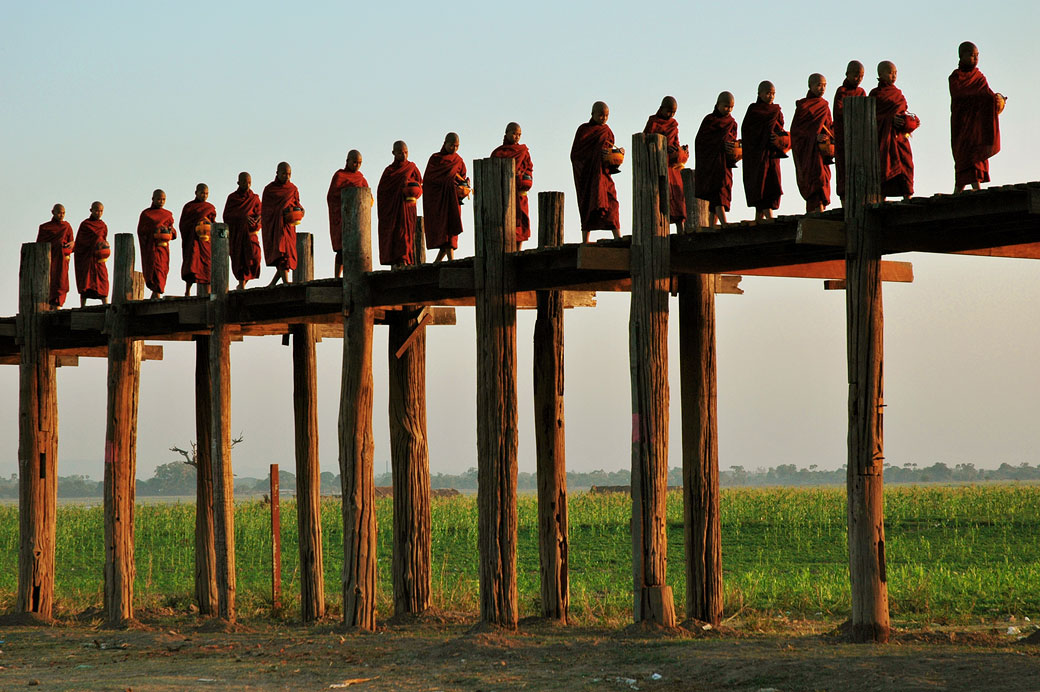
(284, 172)
(886, 72)
(353, 159)
(158, 198)
(513, 133)
(512, 127)
(966, 48)
(96, 210)
(451, 138)
(244, 179)
(724, 98)
(58, 212)
(765, 86)
(400, 151)
(600, 112)
(670, 103)
(855, 67)
(451, 143)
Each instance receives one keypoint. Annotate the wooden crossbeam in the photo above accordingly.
(424, 318)
(603, 258)
(69, 357)
(727, 284)
(815, 231)
(899, 272)
(1023, 251)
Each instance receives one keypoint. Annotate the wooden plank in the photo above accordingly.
(455, 277)
(816, 231)
(86, 321)
(66, 361)
(603, 258)
(726, 284)
(322, 295)
(901, 272)
(417, 331)
(1023, 251)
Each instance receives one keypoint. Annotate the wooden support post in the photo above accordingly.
(205, 553)
(308, 470)
(696, 209)
(865, 338)
(549, 426)
(494, 213)
(355, 415)
(37, 439)
(124, 374)
(648, 354)
(276, 541)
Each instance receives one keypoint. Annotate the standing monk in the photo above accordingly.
(242, 215)
(442, 205)
(713, 150)
(974, 125)
(850, 87)
(195, 246)
(58, 232)
(279, 231)
(512, 149)
(761, 133)
(91, 250)
(597, 196)
(348, 176)
(894, 124)
(810, 126)
(399, 187)
(155, 251)
(663, 123)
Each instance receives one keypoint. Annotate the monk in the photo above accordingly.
(155, 252)
(399, 187)
(850, 87)
(663, 123)
(974, 125)
(91, 270)
(195, 247)
(512, 149)
(442, 205)
(761, 131)
(713, 151)
(58, 232)
(597, 196)
(348, 176)
(279, 232)
(811, 125)
(242, 216)
(894, 124)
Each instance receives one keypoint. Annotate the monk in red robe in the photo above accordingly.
(58, 232)
(512, 149)
(894, 124)
(974, 123)
(811, 125)
(279, 232)
(713, 151)
(242, 216)
(155, 252)
(597, 196)
(663, 123)
(399, 187)
(91, 270)
(195, 246)
(761, 132)
(850, 87)
(442, 205)
(348, 176)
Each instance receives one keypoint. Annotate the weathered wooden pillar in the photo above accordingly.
(308, 471)
(549, 426)
(124, 375)
(205, 553)
(696, 209)
(865, 339)
(494, 212)
(220, 422)
(648, 355)
(37, 438)
(409, 454)
(355, 416)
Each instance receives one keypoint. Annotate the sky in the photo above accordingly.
(108, 101)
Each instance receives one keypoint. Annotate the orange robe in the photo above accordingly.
(524, 166)
(279, 235)
(59, 235)
(974, 126)
(714, 179)
(669, 127)
(597, 196)
(91, 272)
(340, 179)
(442, 208)
(897, 158)
(242, 215)
(397, 215)
(762, 187)
(155, 254)
(812, 116)
(844, 91)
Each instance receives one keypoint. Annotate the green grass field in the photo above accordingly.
(955, 554)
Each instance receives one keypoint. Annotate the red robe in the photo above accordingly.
(974, 126)
(155, 255)
(58, 234)
(396, 215)
(761, 165)
(195, 250)
(340, 179)
(844, 91)
(442, 208)
(897, 159)
(597, 196)
(812, 115)
(676, 197)
(242, 215)
(524, 166)
(91, 273)
(714, 179)
(279, 235)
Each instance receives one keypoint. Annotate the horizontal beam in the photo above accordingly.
(900, 272)
(69, 357)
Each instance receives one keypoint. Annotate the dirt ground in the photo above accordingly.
(444, 653)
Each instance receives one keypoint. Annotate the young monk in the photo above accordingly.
(663, 123)
(894, 124)
(850, 87)
(242, 215)
(91, 270)
(974, 122)
(511, 148)
(348, 176)
(761, 131)
(442, 206)
(155, 252)
(713, 149)
(279, 234)
(597, 196)
(811, 125)
(399, 187)
(57, 232)
(195, 247)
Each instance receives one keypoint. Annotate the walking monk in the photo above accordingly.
(974, 125)
(58, 232)
(195, 247)
(155, 230)
(242, 215)
(663, 123)
(280, 200)
(399, 187)
(597, 196)
(850, 87)
(442, 205)
(810, 127)
(713, 150)
(894, 124)
(91, 250)
(762, 133)
(348, 176)
(512, 149)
